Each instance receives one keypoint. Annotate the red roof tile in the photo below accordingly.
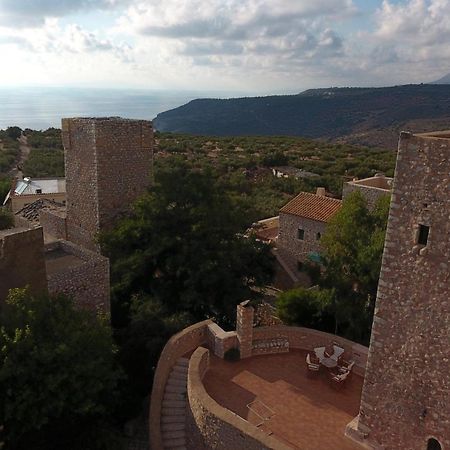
(312, 206)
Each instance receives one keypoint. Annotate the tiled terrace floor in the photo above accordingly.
(305, 413)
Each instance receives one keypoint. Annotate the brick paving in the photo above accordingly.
(305, 413)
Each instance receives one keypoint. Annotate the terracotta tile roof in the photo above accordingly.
(312, 206)
(31, 211)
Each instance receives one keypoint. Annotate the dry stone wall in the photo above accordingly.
(405, 398)
(371, 194)
(22, 260)
(87, 282)
(53, 223)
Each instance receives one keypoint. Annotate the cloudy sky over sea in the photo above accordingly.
(254, 46)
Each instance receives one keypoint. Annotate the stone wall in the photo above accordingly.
(21, 260)
(79, 273)
(108, 165)
(220, 341)
(178, 345)
(371, 194)
(211, 426)
(307, 339)
(288, 242)
(53, 223)
(406, 390)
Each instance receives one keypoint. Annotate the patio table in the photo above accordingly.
(329, 362)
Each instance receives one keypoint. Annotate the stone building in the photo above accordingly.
(26, 191)
(371, 188)
(405, 400)
(108, 165)
(302, 223)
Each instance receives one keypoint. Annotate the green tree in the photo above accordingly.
(58, 374)
(6, 219)
(310, 308)
(14, 132)
(183, 245)
(352, 251)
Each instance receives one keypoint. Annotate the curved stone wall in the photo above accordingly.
(307, 339)
(210, 425)
(178, 345)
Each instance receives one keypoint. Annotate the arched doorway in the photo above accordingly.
(433, 444)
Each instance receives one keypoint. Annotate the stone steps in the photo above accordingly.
(173, 412)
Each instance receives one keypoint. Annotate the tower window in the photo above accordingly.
(422, 238)
(433, 444)
(318, 236)
(301, 234)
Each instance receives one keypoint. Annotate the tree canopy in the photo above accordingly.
(183, 245)
(58, 374)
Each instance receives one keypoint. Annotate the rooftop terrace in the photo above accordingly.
(274, 393)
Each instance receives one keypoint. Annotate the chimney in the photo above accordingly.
(321, 191)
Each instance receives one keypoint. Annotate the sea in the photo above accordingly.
(40, 108)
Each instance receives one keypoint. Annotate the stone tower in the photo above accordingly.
(108, 163)
(405, 400)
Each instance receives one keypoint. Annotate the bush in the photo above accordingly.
(232, 354)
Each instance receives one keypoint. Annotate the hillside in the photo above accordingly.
(368, 116)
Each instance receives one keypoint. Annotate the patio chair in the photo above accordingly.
(338, 381)
(338, 352)
(320, 353)
(346, 367)
(313, 368)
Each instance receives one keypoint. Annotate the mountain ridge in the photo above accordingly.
(367, 116)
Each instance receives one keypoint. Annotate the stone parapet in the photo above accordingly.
(210, 425)
(178, 345)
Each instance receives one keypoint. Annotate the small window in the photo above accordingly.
(318, 236)
(301, 234)
(299, 266)
(422, 238)
(433, 444)
(38, 191)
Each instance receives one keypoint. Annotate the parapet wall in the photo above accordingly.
(79, 273)
(211, 426)
(371, 193)
(307, 339)
(54, 224)
(178, 345)
(21, 260)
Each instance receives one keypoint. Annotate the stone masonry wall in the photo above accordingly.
(87, 283)
(108, 165)
(371, 194)
(53, 223)
(406, 390)
(22, 260)
(78, 137)
(288, 242)
(178, 345)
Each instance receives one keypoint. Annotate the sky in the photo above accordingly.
(248, 46)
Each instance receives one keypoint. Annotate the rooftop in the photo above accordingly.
(31, 211)
(378, 182)
(58, 260)
(312, 206)
(29, 186)
(274, 393)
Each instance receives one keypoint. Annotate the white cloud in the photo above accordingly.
(32, 13)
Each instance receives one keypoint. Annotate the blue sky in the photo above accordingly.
(248, 46)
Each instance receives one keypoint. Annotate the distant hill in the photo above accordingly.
(368, 116)
(444, 80)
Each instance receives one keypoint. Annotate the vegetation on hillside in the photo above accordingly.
(46, 158)
(369, 116)
(242, 165)
(9, 149)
